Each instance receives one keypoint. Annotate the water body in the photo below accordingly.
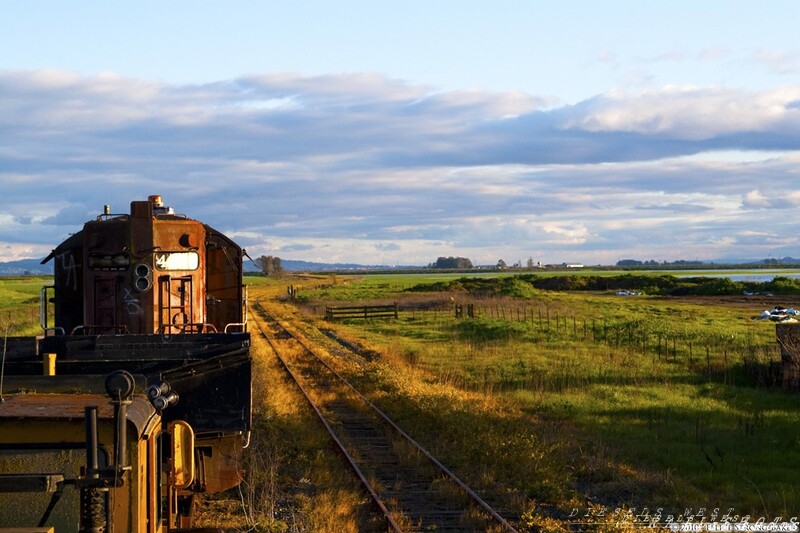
(759, 276)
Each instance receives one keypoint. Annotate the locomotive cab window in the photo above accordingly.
(177, 261)
(109, 261)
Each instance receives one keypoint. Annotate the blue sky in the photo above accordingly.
(394, 133)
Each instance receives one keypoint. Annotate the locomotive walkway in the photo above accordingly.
(411, 489)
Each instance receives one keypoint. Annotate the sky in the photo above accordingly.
(397, 132)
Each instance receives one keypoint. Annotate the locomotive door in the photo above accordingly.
(175, 310)
(105, 305)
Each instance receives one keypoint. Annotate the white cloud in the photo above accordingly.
(691, 113)
(15, 251)
(714, 53)
(357, 167)
(756, 199)
(779, 62)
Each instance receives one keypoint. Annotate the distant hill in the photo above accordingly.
(761, 262)
(32, 267)
(26, 267)
(291, 265)
(781, 261)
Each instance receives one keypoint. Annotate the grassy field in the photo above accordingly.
(567, 399)
(19, 305)
(551, 402)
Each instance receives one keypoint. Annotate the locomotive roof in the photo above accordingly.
(76, 241)
(73, 241)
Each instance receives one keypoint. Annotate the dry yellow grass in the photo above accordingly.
(294, 482)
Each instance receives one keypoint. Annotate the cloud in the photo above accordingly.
(714, 53)
(778, 62)
(296, 248)
(691, 113)
(362, 168)
(756, 199)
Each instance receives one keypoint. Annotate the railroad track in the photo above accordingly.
(410, 488)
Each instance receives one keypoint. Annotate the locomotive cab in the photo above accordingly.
(148, 272)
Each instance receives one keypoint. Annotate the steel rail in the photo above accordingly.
(340, 445)
(452, 476)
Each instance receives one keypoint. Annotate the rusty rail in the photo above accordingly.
(493, 515)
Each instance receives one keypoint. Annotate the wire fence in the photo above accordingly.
(712, 353)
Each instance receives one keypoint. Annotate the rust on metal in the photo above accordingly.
(147, 272)
(71, 407)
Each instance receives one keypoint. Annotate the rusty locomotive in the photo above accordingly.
(137, 396)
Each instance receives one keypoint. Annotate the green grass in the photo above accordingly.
(19, 305)
(637, 401)
(642, 400)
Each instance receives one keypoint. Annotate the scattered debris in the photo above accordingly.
(779, 314)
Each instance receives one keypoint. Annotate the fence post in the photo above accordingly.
(725, 372)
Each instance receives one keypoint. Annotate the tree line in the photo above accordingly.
(665, 285)
(451, 262)
(270, 265)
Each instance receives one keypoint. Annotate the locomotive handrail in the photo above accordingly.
(192, 327)
(242, 325)
(43, 305)
(106, 216)
(121, 329)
